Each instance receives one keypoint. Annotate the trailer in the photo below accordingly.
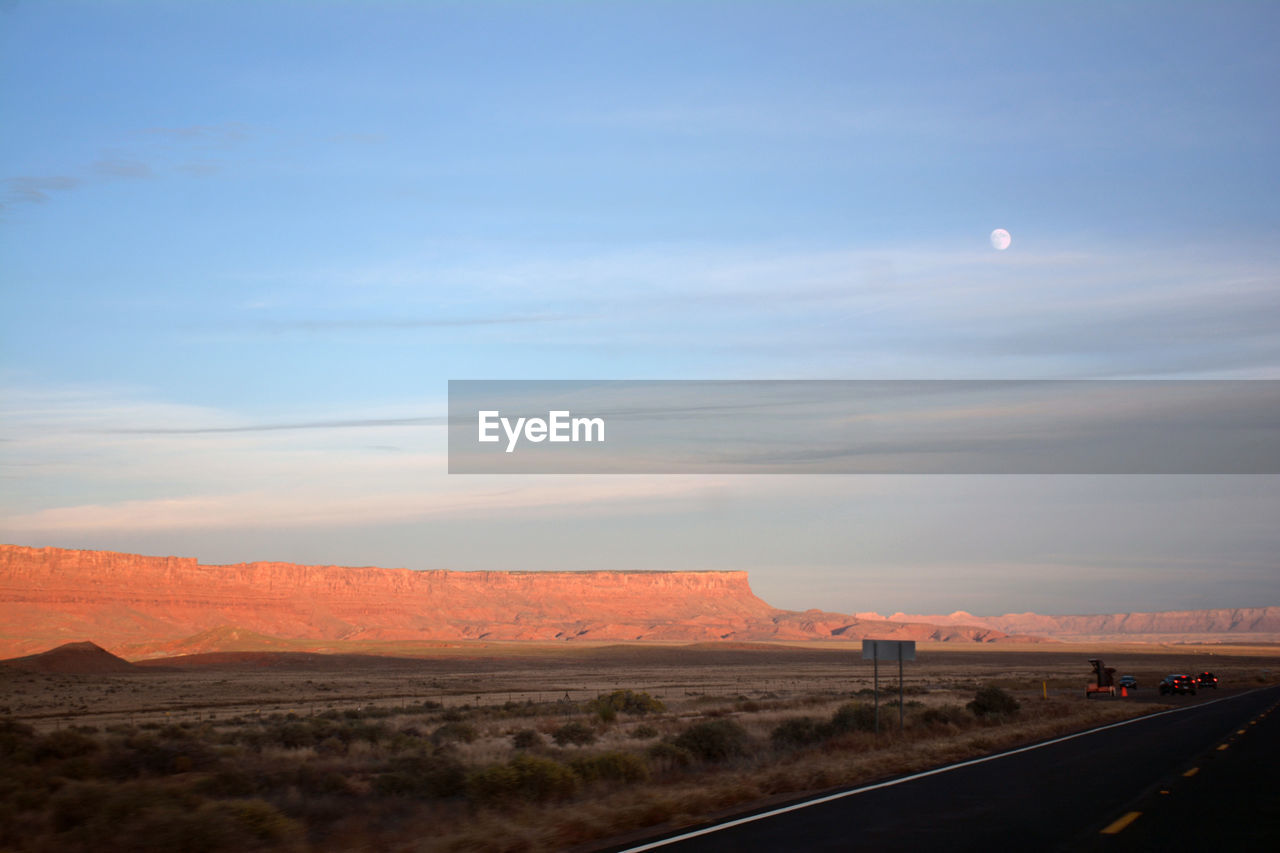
(1103, 679)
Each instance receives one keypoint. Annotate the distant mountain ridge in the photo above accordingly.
(1256, 623)
(142, 606)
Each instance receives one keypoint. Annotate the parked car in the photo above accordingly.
(1178, 684)
(1128, 681)
(1208, 679)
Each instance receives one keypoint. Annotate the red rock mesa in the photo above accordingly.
(142, 606)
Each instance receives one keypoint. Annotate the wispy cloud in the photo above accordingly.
(104, 459)
(1084, 107)
(1071, 310)
(149, 157)
(358, 423)
(1051, 312)
(83, 459)
(375, 323)
(36, 189)
(267, 509)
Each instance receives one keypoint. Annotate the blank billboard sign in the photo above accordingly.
(888, 649)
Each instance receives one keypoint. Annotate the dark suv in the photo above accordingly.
(1208, 679)
(1178, 684)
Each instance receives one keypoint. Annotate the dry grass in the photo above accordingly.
(769, 776)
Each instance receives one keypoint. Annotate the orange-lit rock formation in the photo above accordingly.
(138, 605)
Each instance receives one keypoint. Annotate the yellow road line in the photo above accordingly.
(1119, 824)
(1239, 731)
(1193, 771)
(1224, 746)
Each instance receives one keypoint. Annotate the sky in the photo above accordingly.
(245, 245)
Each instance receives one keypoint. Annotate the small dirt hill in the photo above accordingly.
(73, 659)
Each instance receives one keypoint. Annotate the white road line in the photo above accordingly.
(707, 830)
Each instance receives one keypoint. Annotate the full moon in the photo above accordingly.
(1000, 239)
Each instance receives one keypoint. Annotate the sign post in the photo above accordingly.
(902, 705)
(899, 650)
(875, 690)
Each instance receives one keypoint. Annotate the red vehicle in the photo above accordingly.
(1208, 679)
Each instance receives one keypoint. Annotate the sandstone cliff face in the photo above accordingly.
(140, 606)
(51, 595)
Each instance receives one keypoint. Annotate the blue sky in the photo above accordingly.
(243, 247)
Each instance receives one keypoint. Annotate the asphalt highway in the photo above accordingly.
(1206, 772)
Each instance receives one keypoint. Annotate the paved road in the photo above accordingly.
(1098, 791)
(1225, 799)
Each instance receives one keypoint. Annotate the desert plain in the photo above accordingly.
(204, 686)
(517, 746)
